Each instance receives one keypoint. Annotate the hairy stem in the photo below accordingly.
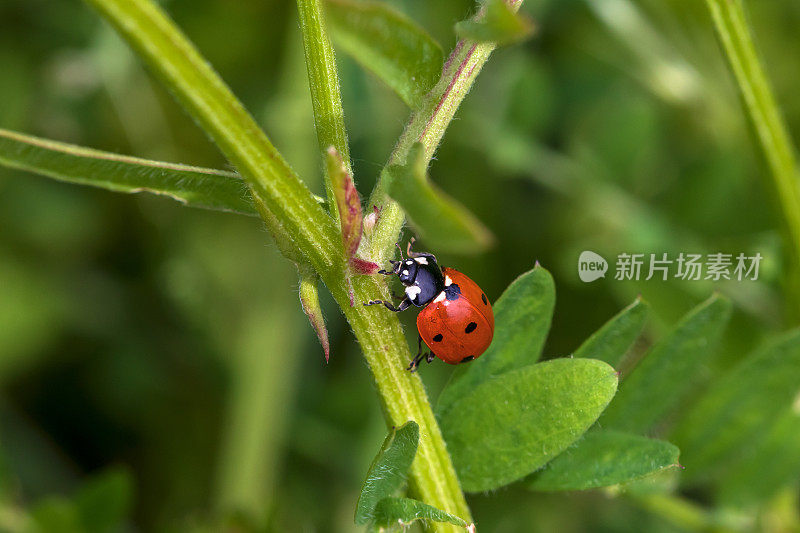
(433, 478)
(302, 229)
(323, 80)
(294, 217)
(382, 341)
(427, 126)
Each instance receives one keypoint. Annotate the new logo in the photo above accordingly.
(591, 266)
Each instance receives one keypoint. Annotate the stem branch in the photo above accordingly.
(759, 103)
(323, 80)
(294, 217)
(427, 126)
(302, 229)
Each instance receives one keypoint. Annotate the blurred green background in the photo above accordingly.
(163, 348)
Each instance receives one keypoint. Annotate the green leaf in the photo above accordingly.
(309, 301)
(404, 511)
(669, 370)
(100, 506)
(55, 513)
(302, 229)
(444, 223)
(612, 341)
(509, 426)
(194, 186)
(388, 44)
(522, 319)
(348, 202)
(765, 466)
(104, 502)
(740, 408)
(602, 458)
(389, 469)
(500, 25)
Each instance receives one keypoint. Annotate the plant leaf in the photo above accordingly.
(612, 341)
(101, 505)
(509, 426)
(388, 44)
(348, 201)
(602, 458)
(669, 370)
(193, 186)
(364, 267)
(766, 466)
(309, 300)
(405, 511)
(444, 223)
(104, 502)
(56, 513)
(389, 469)
(500, 25)
(522, 320)
(743, 406)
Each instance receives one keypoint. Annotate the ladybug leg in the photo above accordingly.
(404, 304)
(393, 271)
(414, 364)
(431, 356)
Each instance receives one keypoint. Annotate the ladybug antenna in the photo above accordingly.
(399, 249)
(395, 268)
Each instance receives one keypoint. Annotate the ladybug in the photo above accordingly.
(456, 322)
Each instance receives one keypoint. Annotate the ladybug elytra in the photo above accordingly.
(456, 322)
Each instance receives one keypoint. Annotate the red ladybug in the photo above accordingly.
(457, 322)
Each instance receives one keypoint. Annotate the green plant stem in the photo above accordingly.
(323, 80)
(380, 334)
(427, 126)
(302, 230)
(692, 517)
(734, 35)
(294, 217)
(256, 415)
(433, 478)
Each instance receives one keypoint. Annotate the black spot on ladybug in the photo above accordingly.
(468, 358)
(438, 337)
(470, 327)
(485, 301)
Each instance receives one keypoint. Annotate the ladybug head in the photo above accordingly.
(420, 274)
(406, 270)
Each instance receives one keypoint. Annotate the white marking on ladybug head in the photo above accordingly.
(447, 281)
(412, 291)
(440, 297)
(421, 260)
(405, 272)
(409, 262)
